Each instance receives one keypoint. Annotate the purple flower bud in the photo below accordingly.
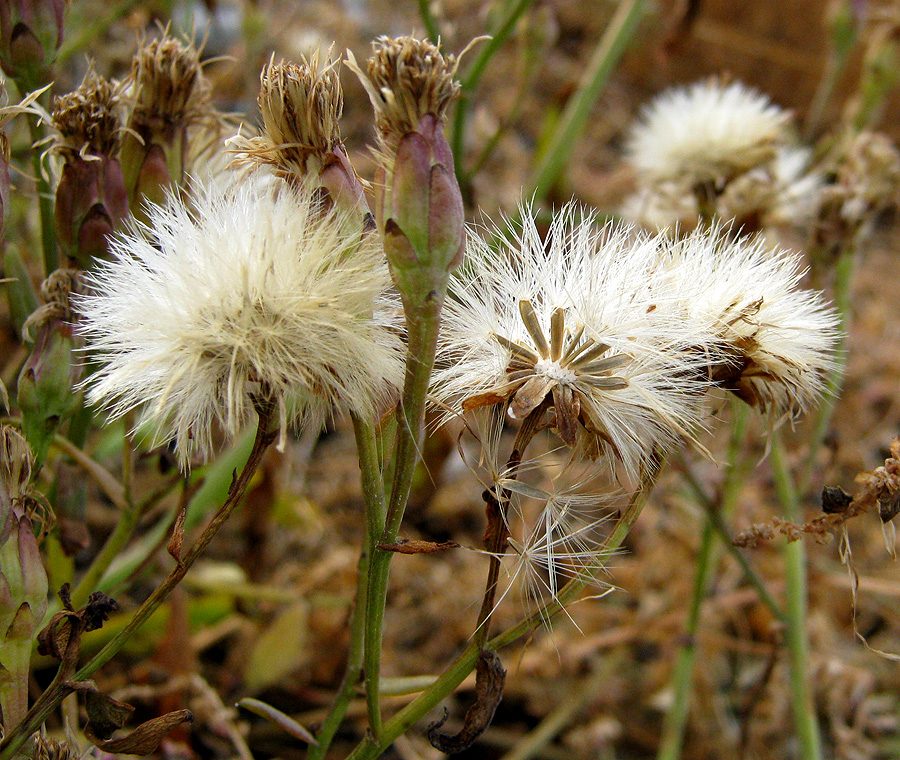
(31, 32)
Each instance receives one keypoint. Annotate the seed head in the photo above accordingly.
(566, 325)
(707, 132)
(254, 292)
(772, 343)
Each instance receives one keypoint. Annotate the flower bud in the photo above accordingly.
(419, 206)
(31, 32)
(47, 380)
(16, 463)
(23, 604)
(91, 199)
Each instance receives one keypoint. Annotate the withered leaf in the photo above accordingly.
(415, 546)
(490, 676)
(145, 738)
(97, 610)
(105, 714)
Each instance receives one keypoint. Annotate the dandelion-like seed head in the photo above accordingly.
(252, 293)
(706, 133)
(407, 79)
(773, 342)
(88, 119)
(563, 325)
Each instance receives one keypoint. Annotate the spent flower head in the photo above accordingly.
(301, 105)
(254, 293)
(91, 199)
(565, 324)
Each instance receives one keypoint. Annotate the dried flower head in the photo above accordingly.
(168, 89)
(566, 324)
(255, 293)
(406, 79)
(301, 105)
(418, 203)
(707, 132)
(772, 342)
(88, 119)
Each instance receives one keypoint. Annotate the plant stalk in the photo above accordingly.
(371, 747)
(574, 118)
(806, 724)
(58, 689)
(423, 323)
(373, 494)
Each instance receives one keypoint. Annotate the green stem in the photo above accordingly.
(373, 493)
(459, 669)
(607, 54)
(538, 738)
(428, 21)
(45, 200)
(123, 529)
(264, 437)
(843, 280)
(58, 689)
(473, 76)
(677, 715)
(423, 323)
(725, 535)
(805, 722)
(116, 541)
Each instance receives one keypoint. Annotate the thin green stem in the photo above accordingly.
(45, 200)
(607, 54)
(677, 715)
(459, 669)
(473, 76)
(843, 281)
(373, 494)
(264, 437)
(538, 738)
(423, 323)
(802, 705)
(429, 21)
(59, 688)
(725, 535)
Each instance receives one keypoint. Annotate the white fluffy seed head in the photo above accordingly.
(254, 290)
(590, 280)
(773, 342)
(706, 132)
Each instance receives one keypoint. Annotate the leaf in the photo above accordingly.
(145, 738)
(279, 649)
(280, 719)
(105, 714)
